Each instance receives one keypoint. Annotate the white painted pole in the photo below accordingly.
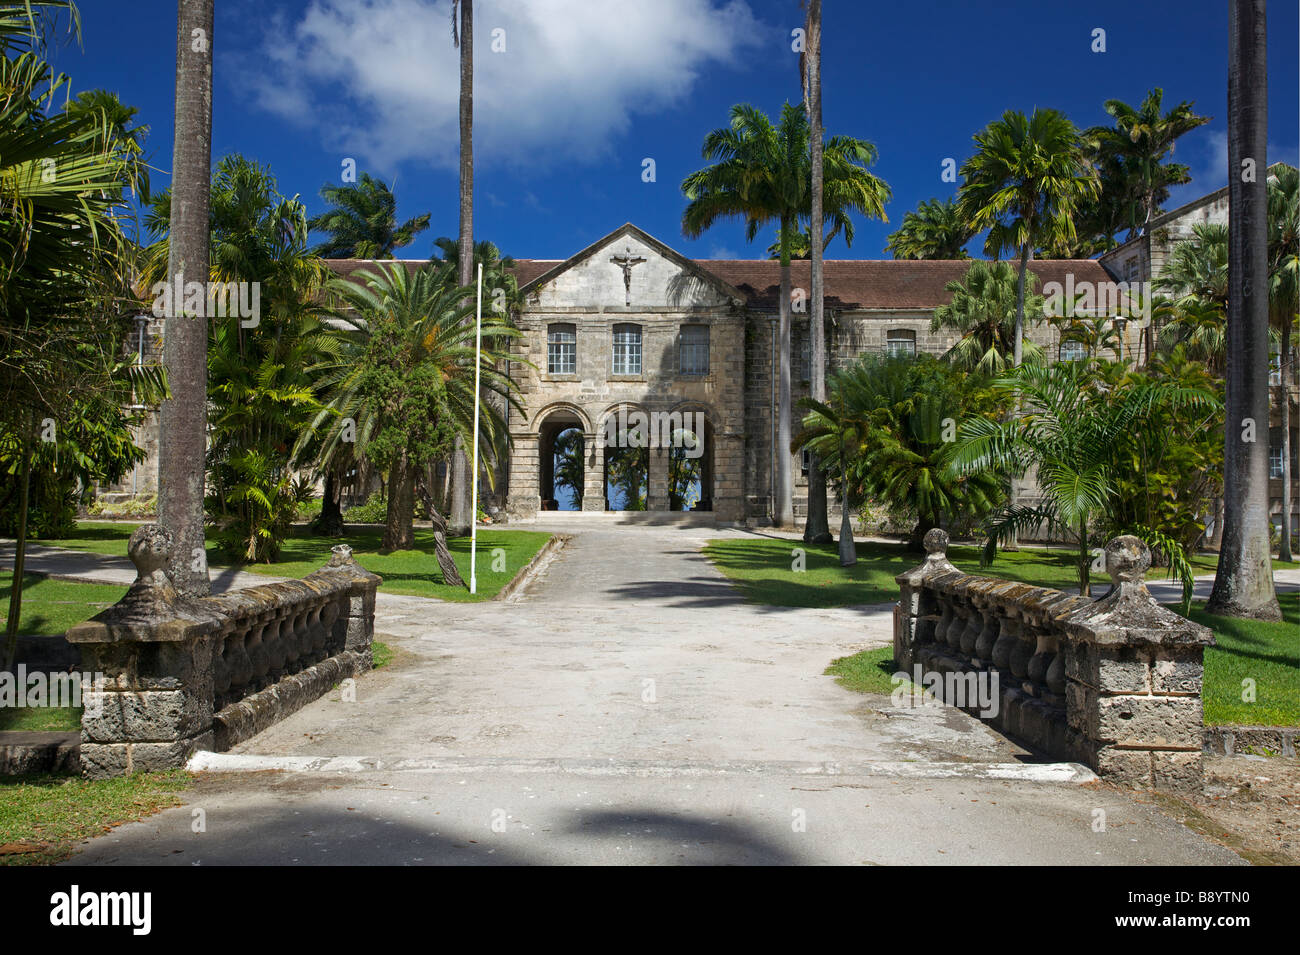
(473, 509)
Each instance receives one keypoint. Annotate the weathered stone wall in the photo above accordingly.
(180, 674)
(1114, 683)
(665, 296)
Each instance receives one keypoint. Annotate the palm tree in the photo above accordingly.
(982, 311)
(1069, 429)
(1137, 148)
(182, 441)
(261, 379)
(362, 221)
(883, 427)
(936, 230)
(412, 390)
(1024, 183)
(816, 526)
(1284, 300)
(121, 135)
(464, 38)
(761, 174)
(1243, 581)
(62, 259)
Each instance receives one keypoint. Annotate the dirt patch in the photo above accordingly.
(1251, 804)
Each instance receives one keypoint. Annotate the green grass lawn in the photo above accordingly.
(50, 607)
(97, 537)
(413, 572)
(40, 719)
(763, 570)
(1268, 653)
(42, 818)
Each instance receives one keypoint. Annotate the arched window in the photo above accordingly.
(627, 349)
(900, 343)
(561, 349)
(693, 350)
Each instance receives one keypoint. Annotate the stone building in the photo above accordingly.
(629, 325)
(628, 330)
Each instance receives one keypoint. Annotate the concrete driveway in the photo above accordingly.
(628, 707)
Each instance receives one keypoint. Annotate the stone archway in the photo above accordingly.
(562, 450)
(690, 472)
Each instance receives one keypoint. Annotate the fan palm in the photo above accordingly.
(761, 174)
(362, 221)
(936, 230)
(982, 311)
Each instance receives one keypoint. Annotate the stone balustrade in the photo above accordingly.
(182, 674)
(1114, 683)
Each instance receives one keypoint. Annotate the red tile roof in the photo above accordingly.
(850, 283)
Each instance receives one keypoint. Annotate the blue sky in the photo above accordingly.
(585, 91)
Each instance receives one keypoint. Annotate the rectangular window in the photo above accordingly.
(693, 350)
(1073, 350)
(627, 349)
(1275, 462)
(803, 367)
(562, 350)
(900, 343)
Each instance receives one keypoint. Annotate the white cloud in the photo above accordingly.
(379, 79)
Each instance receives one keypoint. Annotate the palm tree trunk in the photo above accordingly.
(463, 476)
(182, 443)
(1284, 553)
(20, 556)
(1243, 582)
(848, 550)
(399, 523)
(450, 572)
(1018, 349)
(330, 521)
(783, 515)
(816, 529)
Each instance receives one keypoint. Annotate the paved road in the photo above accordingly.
(628, 707)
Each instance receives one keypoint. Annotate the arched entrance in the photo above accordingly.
(690, 464)
(625, 439)
(561, 460)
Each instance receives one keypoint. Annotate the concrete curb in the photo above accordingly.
(525, 576)
(1067, 773)
(1232, 740)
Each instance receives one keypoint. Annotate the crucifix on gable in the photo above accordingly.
(626, 262)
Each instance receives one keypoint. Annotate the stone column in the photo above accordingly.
(657, 478)
(154, 651)
(524, 500)
(914, 617)
(593, 475)
(1133, 680)
(359, 625)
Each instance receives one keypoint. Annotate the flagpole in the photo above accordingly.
(473, 510)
